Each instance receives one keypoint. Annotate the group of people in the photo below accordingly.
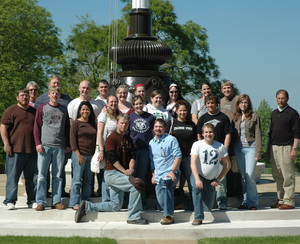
(139, 143)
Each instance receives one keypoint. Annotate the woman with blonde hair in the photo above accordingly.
(123, 105)
(247, 149)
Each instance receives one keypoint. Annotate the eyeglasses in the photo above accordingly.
(173, 92)
(33, 89)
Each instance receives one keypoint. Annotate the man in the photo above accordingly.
(64, 100)
(120, 155)
(284, 140)
(165, 156)
(33, 88)
(84, 95)
(103, 89)
(223, 131)
(51, 135)
(205, 160)
(17, 136)
(228, 107)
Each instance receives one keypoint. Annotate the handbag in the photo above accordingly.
(96, 166)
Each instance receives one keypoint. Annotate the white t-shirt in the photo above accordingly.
(74, 105)
(110, 125)
(209, 157)
(102, 101)
(158, 113)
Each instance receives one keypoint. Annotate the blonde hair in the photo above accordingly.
(54, 89)
(227, 83)
(120, 87)
(111, 114)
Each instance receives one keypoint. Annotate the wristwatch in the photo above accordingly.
(295, 148)
(218, 179)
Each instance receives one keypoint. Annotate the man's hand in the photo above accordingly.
(173, 176)
(40, 148)
(199, 184)
(7, 149)
(293, 154)
(152, 179)
(128, 172)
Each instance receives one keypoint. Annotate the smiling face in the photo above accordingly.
(54, 82)
(159, 129)
(243, 105)
(23, 99)
(103, 89)
(181, 112)
(211, 106)
(85, 112)
(33, 91)
(227, 91)
(122, 126)
(138, 106)
(85, 89)
(54, 97)
(208, 135)
(112, 102)
(156, 100)
(205, 90)
(173, 93)
(140, 90)
(122, 95)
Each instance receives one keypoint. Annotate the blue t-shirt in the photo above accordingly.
(140, 128)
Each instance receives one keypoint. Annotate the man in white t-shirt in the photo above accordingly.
(84, 95)
(205, 164)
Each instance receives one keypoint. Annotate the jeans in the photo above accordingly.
(204, 196)
(221, 196)
(186, 170)
(118, 183)
(57, 156)
(142, 162)
(165, 196)
(246, 160)
(82, 177)
(15, 164)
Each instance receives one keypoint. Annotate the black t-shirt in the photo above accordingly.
(185, 133)
(221, 123)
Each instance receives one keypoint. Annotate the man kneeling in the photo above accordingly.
(120, 155)
(205, 161)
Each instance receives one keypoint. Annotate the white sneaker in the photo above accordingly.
(32, 205)
(10, 206)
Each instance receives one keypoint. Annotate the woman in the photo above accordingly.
(155, 108)
(139, 90)
(107, 120)
(140, 129)
(185, 131)
(172, 97)
(247, 149)
(123, 105)
(198, 106)
(83, 143)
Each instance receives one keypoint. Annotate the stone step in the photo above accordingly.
(153, 231)
(23, 214)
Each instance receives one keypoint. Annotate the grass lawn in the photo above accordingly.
(252, 240)
(52, 240)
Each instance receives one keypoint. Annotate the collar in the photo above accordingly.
(214, 114)
(280, 110)
(160, 139)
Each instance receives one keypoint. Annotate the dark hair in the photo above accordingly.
(23, 89)
(283, 91)
(187, 106)
(168, 96)
(135, 98)
(92, 117)
(161, 121)
(103, 81)
(212, 97)
(249, 110)
(205, 83)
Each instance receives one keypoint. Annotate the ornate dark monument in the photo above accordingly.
(140, 54)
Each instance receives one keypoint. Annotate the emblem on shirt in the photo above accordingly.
(214, 122)
(140, 126)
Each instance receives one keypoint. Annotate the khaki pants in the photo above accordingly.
(283, 171)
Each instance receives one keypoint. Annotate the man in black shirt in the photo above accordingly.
(284, 139)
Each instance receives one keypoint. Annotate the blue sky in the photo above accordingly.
(256, 43)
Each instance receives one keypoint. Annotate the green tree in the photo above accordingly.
(29, 47)
(264, 112)
(190, 64)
